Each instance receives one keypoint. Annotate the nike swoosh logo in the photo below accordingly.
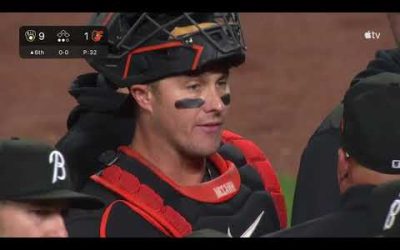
(250, 230)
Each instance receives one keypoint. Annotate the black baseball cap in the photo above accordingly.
(35, 171)
(371, 123)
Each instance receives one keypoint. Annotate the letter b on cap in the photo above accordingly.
(59, 172)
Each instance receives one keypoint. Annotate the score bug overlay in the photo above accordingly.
(62, 41)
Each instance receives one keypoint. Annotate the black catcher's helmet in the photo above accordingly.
(145, 47)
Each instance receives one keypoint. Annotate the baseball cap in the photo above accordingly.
(34, 171)
(371, 123)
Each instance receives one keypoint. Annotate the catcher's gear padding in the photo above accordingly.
(256, 158)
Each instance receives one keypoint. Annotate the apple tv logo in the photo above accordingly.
(368, 35)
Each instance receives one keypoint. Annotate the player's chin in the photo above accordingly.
(206, 143)
(208, 147)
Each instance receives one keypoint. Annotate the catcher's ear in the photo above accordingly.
(142, 95)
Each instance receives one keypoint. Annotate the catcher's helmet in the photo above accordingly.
(144, 47)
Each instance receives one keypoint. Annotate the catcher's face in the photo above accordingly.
(189, 111)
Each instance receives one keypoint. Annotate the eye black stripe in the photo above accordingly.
(189, 103)
(226, 99)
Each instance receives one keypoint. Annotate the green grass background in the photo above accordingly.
(288, 184)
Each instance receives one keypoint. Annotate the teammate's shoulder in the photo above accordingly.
(384, 208)
(388, 53)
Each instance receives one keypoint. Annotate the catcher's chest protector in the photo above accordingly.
(145, 203)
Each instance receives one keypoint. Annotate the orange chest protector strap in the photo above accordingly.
(141, 199)
(256, 158)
